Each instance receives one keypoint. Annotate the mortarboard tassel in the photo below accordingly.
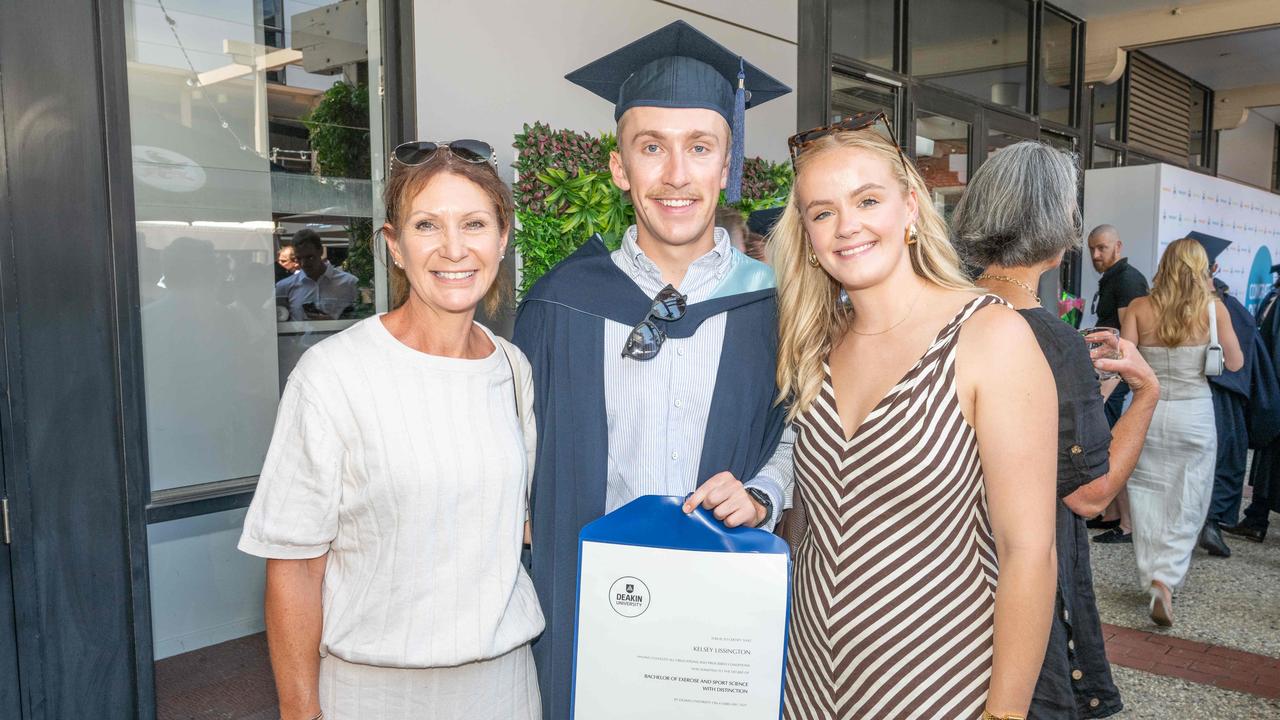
(733, 193)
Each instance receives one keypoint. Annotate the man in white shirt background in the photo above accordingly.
(320, 291)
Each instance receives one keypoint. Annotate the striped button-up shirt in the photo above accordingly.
(658, 409)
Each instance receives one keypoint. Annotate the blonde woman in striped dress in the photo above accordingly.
(927, 430)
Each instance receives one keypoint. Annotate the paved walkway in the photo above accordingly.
(1222, 656)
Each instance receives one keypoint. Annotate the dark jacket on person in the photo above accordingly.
(1075, 680)
(1265, 473)
(1231, 400)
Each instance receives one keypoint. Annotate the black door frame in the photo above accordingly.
(10, 692)
(75, 470)
(72, 404)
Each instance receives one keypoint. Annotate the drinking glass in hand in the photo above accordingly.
(1103, 338)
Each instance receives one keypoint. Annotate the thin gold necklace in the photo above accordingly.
(904, 317)
(1014, 281)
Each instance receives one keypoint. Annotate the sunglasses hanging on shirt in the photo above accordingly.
(647, 337)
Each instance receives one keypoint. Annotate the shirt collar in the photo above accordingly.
(1118, 268)
(718, 260)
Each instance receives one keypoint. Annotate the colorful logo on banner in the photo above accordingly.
(1259, 279)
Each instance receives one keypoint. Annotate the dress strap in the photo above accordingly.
(951, 330)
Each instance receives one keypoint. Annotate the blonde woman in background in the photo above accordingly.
(1171, 486)
(926, 434)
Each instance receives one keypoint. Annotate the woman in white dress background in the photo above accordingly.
(1170, 488)
(392, 504)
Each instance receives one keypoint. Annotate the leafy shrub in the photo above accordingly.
(564, 194)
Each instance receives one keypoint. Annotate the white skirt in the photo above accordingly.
(1170, 489)
(503, 688)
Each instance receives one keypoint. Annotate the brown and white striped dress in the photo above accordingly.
(894, 588)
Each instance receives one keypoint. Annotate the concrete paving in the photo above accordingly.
(1153, 697)
(1232, 601)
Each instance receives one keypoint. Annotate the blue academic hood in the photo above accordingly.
(659, 521)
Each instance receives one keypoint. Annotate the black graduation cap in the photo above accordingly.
(679, 67)
(761, 222)
(1213, 246)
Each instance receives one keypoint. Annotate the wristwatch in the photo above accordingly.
(762, 497)
(986, 715)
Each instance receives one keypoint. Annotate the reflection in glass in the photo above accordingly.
(250, 122)
(851, 95)
(1105, 105)
(1105, 157)
(1062, 142)
(942, 154)
(977, 47)
(1056, 53)
(998, 140)
(863, 30)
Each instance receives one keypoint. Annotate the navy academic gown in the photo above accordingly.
(1230, 414)
(560, 327)
(1265, 475)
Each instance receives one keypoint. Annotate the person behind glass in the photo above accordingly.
(1172, 483)
(1118, 286)
(1017, 218)
(925, 449)
(319, 291)
(286, 263)
(392, 504)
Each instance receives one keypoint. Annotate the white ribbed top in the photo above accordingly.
(410, 471)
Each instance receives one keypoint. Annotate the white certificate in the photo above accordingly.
(679, 617)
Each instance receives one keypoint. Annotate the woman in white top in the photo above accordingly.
(1172, 483)
(392, 504)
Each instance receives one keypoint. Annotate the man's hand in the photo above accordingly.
(727, 499)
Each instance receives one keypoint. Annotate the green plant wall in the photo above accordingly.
(564, 194)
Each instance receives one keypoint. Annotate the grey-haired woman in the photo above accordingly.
(1016, 220)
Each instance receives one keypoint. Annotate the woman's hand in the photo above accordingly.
(1122, 357)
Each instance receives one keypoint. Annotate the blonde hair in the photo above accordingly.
(811, 319)
(1180, 293)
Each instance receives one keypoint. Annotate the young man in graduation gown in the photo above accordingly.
(654, 365)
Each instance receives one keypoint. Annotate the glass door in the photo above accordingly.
(1001, 131)
(942, 144)
(258, 156)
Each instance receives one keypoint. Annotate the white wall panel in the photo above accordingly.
(484, 69)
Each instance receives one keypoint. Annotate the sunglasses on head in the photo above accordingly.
(417, 152)
(797, 143)
(647, 337)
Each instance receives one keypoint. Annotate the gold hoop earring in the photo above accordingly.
(813, 259)
(913, 235)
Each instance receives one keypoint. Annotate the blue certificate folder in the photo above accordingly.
(678, 616)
